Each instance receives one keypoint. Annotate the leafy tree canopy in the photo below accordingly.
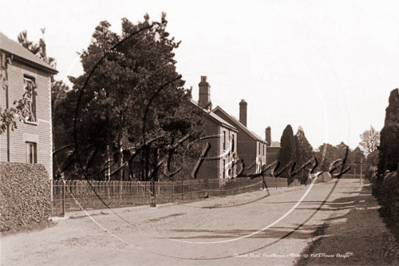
(370, 140)
(129, 94)
(303, 152)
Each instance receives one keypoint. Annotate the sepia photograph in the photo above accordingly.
(175, 132)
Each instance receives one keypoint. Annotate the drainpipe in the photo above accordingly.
(4, 65)
(8, 130)
(8, 127)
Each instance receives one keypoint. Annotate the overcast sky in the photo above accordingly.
(327, 66)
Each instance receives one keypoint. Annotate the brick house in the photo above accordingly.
(31, 142)
(273, 147)
(221, 136)
(250, 147)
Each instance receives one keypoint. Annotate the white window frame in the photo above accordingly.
(33, 107)
(31, 152)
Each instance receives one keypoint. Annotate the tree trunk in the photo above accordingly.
(147, 162)
(120, 158)
(109, 161)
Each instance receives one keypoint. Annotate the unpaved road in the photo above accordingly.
(232, 234)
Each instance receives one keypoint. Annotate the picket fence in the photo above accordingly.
(353, 176)
(76, 195)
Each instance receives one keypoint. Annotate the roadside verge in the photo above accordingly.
(354, 234)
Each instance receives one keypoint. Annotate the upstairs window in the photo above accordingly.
(30, 99)
(224, 140)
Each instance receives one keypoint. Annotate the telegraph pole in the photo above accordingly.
(361, 168)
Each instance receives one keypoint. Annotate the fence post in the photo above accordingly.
(153, 195)
(52, 190)
(63, 195)
(182, 189)
(132, 191)
(173, 190)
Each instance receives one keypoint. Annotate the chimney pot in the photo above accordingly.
(243, 112)
(204, 99)
(268, 132)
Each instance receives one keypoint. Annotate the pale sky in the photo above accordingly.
(327, 66)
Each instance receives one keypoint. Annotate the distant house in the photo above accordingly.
(222, 137)
(31, 142)
(273, 147)
(251, 147)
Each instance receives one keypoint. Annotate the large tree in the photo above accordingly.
(358, 156)
(370, 140)
(287, 151)
(130, 103)
(303, 153)
(39, 49)
(372, 158)
(357, 160)
(326, 154)
(389, 147)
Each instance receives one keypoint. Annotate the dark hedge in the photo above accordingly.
(25, 195)
(388, 197)
(389, 142)
(389, 193)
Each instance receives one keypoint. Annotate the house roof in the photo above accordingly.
(216, 118)
(240, 125)
(22, 54)
(275, 144)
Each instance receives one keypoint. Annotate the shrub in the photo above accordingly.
(25, 194)
(388, 198)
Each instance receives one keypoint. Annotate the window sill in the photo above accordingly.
(31, 123)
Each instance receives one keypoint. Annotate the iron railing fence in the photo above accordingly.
(73, 195)
(353, 176)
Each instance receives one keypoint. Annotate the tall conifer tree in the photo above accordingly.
(389, 144)
(287, 151)
(303, 153)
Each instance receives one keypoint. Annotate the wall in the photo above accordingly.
(210, 168)
(261, 152)
(39, 132)
(247, 147)
(271, 154)
(226, 153)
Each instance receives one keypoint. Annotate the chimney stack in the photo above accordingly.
(204, 100)
(268, 139)
(243, 112)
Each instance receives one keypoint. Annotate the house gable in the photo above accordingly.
(251, 148)
(23, 55)
(31, 141)
(230, 119)
(219, 134)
